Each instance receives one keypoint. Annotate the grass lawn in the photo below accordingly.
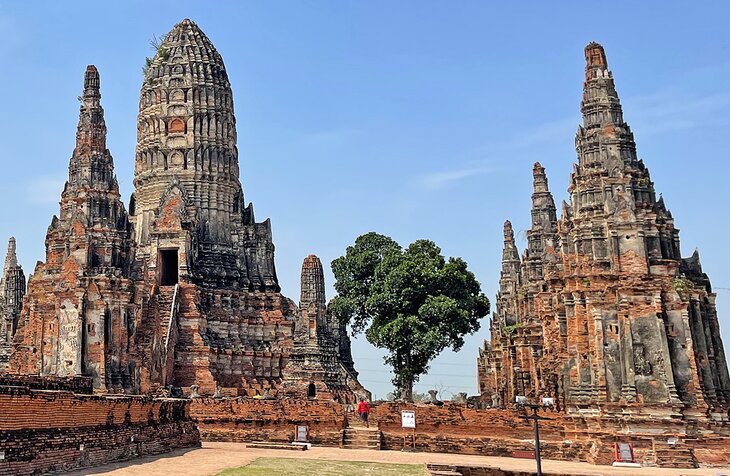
(313, 467)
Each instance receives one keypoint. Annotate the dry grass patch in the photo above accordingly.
(313, 467)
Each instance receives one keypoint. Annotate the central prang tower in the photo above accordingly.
(186, 152)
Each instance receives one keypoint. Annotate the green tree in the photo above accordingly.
(411, 302)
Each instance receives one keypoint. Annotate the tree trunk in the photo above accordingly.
(407, 382)
(407, 390)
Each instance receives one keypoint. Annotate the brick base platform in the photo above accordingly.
(456, 428)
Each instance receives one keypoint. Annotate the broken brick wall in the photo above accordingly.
(82, 385)
(247, 419)
(455, 428)
(42, 431)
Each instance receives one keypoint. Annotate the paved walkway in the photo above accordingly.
(215, 457)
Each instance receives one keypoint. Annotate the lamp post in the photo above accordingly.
(535, 419)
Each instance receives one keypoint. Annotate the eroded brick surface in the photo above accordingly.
(50, 430)
(602, 314)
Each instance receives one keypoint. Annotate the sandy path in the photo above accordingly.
(215, 457)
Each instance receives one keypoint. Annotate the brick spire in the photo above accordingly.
(312, 301)
(12, 290)
(11, 258)
(186, 140)
(510, 255)
(601, 104)
(312, 281)
(92, 186)
(606, 154)
(541, 237)
(509, 279)
(91, 131)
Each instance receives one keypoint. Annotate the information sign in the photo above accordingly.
(624, 453)
(408, 419)
(301, 433)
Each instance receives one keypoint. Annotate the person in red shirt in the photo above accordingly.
(363, 409)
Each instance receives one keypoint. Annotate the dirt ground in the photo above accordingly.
(215, 457)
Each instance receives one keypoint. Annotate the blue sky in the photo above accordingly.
(415, 119)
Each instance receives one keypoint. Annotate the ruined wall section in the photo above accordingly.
(69, 431)
(457, 428)
(245, 420)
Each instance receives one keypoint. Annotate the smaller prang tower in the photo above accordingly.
(12, 290)
(320, 365)
(604, 316)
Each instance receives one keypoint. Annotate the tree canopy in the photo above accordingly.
(412, 302)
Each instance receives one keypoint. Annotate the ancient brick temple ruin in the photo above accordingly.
(181, 291)
(321, 353)
(12, 290)
(601, 313)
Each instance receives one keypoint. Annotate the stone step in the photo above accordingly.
(362, 434)
(349, 446)
(277, 446)
(371, 442)
(674, 456)
(363, 429)
(362, 438)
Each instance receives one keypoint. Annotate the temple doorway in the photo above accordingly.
(167, 267)
(311, 391)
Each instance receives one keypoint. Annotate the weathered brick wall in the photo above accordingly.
(42, 431)
(82, 385)
(455, 428)
(246, 419)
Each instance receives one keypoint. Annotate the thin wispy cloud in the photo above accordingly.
(527, 142)
(439, 180)
(332, 138)
(666, 111)
(673, 110)
(547, 132)
(44, 190)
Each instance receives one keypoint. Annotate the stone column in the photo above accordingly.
(628, 388)
(665, 364)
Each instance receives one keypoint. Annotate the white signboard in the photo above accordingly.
(301, 434)
(408, 419)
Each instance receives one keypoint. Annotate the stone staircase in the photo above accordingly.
(358, 436)
(157, 335)
(678, 455)
(166, 303)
